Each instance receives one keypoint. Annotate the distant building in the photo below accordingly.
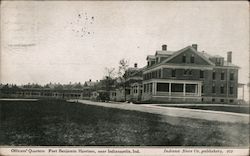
(186, 75)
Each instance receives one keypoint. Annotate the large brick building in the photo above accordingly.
(186, 75)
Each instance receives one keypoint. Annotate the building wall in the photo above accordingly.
(207, 81)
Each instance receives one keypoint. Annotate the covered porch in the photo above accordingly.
(173, 88)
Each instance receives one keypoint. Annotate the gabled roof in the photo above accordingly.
(205, 56)
(183, 50)
(163, 52)
(150, 57)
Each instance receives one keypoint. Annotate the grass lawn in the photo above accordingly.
(57, 122)
(236, 109)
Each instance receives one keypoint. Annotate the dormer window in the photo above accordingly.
(192, 59)
(184, 58)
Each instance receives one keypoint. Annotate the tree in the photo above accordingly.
(110, 72)
(123, 67)
(108, 80)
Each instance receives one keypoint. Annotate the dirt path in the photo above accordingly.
(177, 112)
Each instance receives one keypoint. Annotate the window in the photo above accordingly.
(201, 74)
(187, 72)
(128, 91)
(176, 87)
(213, 89)
(190, 88)
(231, 101)
(221, 100)
(231, 76)
(214, 75)
(173, 72)
(150, 85)
(202, 89)
(190, 72)
(162, 87)
(231, 90)
(222, 89)
(213, 100)
(192, 59)
(222, 76)
(184, 58)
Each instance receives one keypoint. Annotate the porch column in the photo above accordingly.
(154, 88)
(169, 89)
(196, 89)
(199, 89)
(184, 89)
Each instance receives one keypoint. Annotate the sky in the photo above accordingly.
(65, 41)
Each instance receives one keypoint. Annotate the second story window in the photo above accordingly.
(222, 76)
(184, 58)
(201, 74)
(214, 75)
(173, 72)
(231, 90)
(192, 59)
(231, 76)
(187, 72)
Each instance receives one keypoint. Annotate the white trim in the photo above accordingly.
(227, 67)
(180, 97)
(174, 66)
(172, 81)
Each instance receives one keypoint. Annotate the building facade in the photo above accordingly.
(187, 75)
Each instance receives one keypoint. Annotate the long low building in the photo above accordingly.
(47, 93)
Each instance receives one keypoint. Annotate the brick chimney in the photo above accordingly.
(229, 56)
(164, 47)
(195, 46)
(135, 65)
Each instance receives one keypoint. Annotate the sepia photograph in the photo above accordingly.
(124, 78)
